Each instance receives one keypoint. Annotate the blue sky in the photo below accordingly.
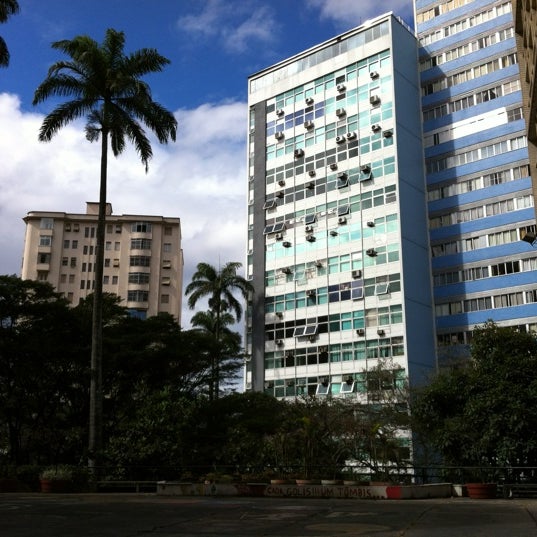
(213, 46)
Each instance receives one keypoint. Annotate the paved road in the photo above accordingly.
(135, 515)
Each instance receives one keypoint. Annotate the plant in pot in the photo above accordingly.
(57, 478)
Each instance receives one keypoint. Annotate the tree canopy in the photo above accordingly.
(7, 8)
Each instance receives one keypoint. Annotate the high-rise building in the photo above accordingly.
(479, 187)
(526, 37)
(337, 226)
(143, 260)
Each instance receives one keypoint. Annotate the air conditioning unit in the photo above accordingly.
(356, 274)
(374, 99)
(278, 236)
(380, 332)
(279, 112)
(279, 135)
(311, 173)
(309, 229)
(309, 100)
(365, 168)
(387, 133)
(340, 139)
(268, 385)
(371, 224)
(287, 270)
(333, 166)
(341, 87)
(342, 220)
(281, 182)
(310, 185)
(311, 293)
(286, 244)
(351, 135)
(279, 314)
(376, 127)
(279, 194)
(116, 262)
(360, 331)
(310, 238)
(318, 263)
(67, 227)
(342, 176)
(279, 342)
(340, 112)
(374, 74)
(290, 383)
(333, 233)
(371, 252)
(299, 153)
(308, 124)
(312, 337)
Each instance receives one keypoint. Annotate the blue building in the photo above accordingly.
(479, 187)
(338, 246)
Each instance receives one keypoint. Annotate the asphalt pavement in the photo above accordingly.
(135, 515)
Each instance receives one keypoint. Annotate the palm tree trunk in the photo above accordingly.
(96, 390)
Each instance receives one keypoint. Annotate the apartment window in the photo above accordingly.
(45, 240)
(141, 227)
(118, 228)
(82, 284)
(140, 261)
(63, 278)
(167, 248)
(167, 230)
(71, 278)
(107, 262)
(114, 280)
(43, 258)
(70, 297)
(83, 269)
(85, 249)
(66, 243)
(138, 277)
(137, 295)
(140, 244)
(46, 223)
(74, 245)
(106, 280)
(117, 246)
(73, 262)
(164, 299)
(65, 261)
(109, 228)
(42, 275)
(108, 245)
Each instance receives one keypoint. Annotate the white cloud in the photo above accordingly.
(234, 24)
(201, 179)
(351, 13)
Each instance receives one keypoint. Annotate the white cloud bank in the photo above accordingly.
(200, 179)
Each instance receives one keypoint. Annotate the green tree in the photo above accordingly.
(483, 412)
(219, 286)
(107, 89)
(7, 8)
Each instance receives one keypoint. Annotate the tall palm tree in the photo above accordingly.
(107, 89)
(219, 286)
(7, 8)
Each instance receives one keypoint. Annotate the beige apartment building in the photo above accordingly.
(143, 261)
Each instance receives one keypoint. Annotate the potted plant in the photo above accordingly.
(56, 478)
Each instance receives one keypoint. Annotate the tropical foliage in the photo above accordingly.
(7, 8)
(107, 90)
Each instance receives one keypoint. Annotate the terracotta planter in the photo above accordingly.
(279, 481)
(55, 485)
(481, 491)
(303, 482)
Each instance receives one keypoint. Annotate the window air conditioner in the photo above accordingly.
(310, 185)
(365, 168)
(340, 112)
(279, 194)
(371, 252)
(286, 244)
(116, 262)
(310, 238)
(380, 332)
(341, 87)
(309, 229)
(281, 182)
(309, 100)
(371, 224)
(375, 127)
(333, 166)
(279, 112)
(374, 99)
(351, 135)
(342, 220)
(279, 135)
(318, 263)
(387, 133)
(340, 139)
(287, 270)
(299, 153)
(342, 176)
(279, 342)
(308, 124)
(311, 173)
(360, 331)
(356, 274)
(310, 293)
(278, 236)
(333, 233)
(312, 337)
(374, 74)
